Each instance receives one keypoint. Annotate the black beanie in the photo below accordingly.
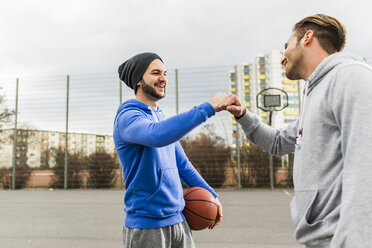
(132, 70)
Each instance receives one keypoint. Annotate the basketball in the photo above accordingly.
(200, 208)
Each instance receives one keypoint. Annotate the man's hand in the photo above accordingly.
(218, 101)
(230, 102)
(219, 215)
(234, 106)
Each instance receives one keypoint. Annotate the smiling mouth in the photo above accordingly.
(284, 62)
(159, 85)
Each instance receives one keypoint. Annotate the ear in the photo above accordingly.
(138, 86)
(308, 37)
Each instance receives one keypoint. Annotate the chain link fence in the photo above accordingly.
(60, 133)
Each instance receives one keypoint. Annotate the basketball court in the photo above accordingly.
(93, 218)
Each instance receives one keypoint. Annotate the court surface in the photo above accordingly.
(94, 219)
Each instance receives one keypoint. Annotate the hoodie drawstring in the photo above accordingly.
(154, 114)
(301, 121)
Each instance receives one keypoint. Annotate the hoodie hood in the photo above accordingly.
(133, 103)
(328, 64)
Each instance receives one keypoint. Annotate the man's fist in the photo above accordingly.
(218, 101)
(234, 106)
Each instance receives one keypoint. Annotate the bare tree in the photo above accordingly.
(76, 163)
(102, 170)
(255, 170)
(5, 113)
(5, 117)
(209, 154)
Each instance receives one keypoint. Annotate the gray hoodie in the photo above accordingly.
(332, 173)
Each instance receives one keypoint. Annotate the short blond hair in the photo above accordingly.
(330, 33)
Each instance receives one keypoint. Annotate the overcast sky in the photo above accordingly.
(52, 38)
(58, 37)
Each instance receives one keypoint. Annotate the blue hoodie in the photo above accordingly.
(154, 162)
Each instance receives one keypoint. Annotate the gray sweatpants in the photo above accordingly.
(175, 236)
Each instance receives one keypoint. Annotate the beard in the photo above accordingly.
(294, 71)
(150, 90)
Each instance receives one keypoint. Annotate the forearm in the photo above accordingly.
(188, 174)
(157, 134)
(276, 141)
(193, 179)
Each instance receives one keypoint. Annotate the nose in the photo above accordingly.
(163, 78)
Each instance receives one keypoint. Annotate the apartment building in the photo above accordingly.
(37, 147)
(266, 71)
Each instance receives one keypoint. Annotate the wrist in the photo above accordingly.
(241, 114)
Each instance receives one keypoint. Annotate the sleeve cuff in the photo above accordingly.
(248, 119)
(210, 111)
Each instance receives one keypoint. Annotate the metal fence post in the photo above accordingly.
(238, 157)
(120, 166)
(238, 135)
(66, 135)
(271, 158)
(15, 138)
(177, 102)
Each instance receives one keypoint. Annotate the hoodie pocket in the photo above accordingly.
(167, 199)
(308, 226)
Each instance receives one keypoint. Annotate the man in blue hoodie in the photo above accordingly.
(153, 160)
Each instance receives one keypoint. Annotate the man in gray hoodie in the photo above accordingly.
(332, 140)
